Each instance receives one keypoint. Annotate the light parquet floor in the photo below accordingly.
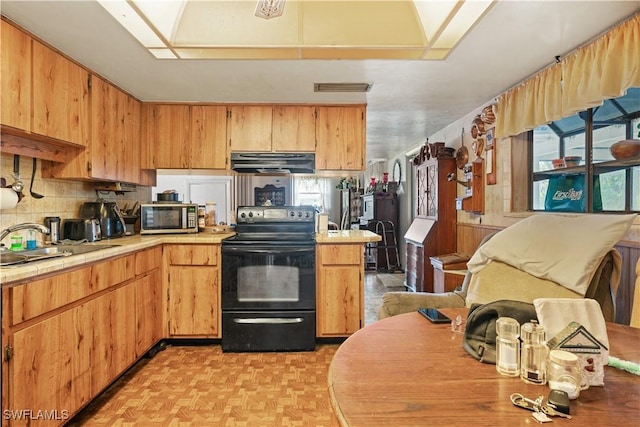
(201, 386)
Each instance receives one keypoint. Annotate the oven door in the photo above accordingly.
(264, 276)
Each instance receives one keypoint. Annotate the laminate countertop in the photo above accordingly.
(109, 248)
(125, 245)
(347, 236)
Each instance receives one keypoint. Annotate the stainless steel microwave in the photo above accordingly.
(168, 218)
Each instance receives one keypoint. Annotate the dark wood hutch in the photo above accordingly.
(433, 231)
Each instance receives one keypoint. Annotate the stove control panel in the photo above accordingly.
(265, 214)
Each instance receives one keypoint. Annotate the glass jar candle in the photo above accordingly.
(563, 372)
(508, 346)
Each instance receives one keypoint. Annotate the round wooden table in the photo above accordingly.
(406, 371)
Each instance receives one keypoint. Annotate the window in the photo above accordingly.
(612, 185)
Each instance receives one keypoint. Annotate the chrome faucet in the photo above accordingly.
(24, 226)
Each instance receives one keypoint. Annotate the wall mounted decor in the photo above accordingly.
(490, 150)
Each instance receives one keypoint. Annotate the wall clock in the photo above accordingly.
(397, 171)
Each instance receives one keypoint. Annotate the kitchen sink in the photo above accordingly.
(22, 257)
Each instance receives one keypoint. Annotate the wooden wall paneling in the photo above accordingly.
(624, 294)
(469, 236)
(519, 166)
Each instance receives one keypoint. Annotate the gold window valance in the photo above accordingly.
(603, 69)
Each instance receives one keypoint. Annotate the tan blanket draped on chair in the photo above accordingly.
(562, 249)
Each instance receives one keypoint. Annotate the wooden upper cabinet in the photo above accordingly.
(114, 149)
(106, 133)
(250, 128)
(132, 145)
(340, 134)
(294, 128)
(15, 61)
(208, 137)
(168, 135)
(60, 97)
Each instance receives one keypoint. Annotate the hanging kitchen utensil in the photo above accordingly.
(33, 176)
(17, 186)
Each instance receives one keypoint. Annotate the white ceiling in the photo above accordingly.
(409, 101)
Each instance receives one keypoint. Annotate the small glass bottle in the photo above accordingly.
(563, 371)
(31, 240)
(508, 346)
(533, 354)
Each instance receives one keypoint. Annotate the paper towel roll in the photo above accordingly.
(8, 198)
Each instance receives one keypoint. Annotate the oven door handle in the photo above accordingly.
(268, 320)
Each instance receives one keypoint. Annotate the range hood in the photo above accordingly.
(273, 163)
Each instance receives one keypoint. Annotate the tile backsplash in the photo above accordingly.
(62, 198)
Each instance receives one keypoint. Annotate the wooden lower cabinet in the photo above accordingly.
(61, 349)
(193, 290)
(51, 367)
(148, 297)
(339, 289)
(148, 311)
(113, 335)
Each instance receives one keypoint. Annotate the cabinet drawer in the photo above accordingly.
(147, 260)
(112, 272)
(192, 254)
(40, 296)
(341, 254)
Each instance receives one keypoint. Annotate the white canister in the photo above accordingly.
(564, 373)
(323, 223)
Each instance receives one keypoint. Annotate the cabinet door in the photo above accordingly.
(208, 147)
(250, 128)
(168, 135)
(338, 306)
(129, 170)
(148, 311)
(113, 335)
(294, 128)
(106, 144)
(60, 97)
(194, 301)
(340, 285)
(15, 62)
(340, 134)
(50, 368)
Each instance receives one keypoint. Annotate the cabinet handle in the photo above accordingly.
(270, 320)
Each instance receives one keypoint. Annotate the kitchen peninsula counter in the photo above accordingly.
(347, 236)
(117, 247)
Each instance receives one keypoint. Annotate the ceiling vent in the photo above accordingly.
(342, 87)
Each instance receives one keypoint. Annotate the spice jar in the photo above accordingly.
(564, 373)
(508, 346)
(533, 356)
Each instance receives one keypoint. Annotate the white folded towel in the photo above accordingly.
(555, 314)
